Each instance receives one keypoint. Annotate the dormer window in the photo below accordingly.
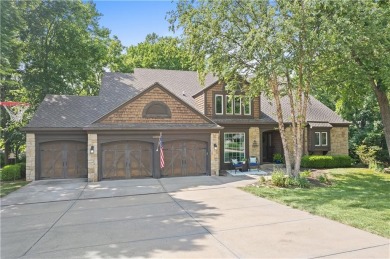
(247, 106)
(229, 105)
(237, 105)
(219, 104)
(232, 105)
(156, 109)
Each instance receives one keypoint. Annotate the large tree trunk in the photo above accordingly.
(384, 108)
(276, 95)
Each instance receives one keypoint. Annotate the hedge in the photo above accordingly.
(10, 173)
(326, 161)
(22, 170)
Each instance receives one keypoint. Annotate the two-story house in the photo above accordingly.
(117, 134)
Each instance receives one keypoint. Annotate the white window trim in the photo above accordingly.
(319, 138)
(250, 106)
(326, 139)
(222, 102)
(224, 134)
(232, 103)
(234, 108)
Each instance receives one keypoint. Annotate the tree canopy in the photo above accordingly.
(360, 60)
(257, 46)
(156, 52)
(50, 47)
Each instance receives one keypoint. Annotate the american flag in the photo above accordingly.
(162, 164)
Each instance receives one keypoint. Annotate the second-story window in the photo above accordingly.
(237, 105)
(219, 104)
(229, 105)
(247, 106)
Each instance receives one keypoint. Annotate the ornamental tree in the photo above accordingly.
(259, 46)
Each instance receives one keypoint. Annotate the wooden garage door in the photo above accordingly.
(128, 159)
(185, 157)
(63, 159)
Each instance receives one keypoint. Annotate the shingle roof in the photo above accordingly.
(154, 126)
(184, 84)
(316, 111)
(63, 111)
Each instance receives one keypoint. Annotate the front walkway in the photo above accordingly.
(199, 217)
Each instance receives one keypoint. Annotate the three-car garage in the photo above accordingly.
(123, 156)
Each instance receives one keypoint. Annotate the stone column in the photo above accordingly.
(30, 157)
(92, 158)
(254, 142)
(339, 141)
(214, 154)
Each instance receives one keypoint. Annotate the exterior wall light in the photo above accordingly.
(92, 150)
(215, 146)
(254, 145)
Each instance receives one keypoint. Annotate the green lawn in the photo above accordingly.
(358, 197)
(8, 187)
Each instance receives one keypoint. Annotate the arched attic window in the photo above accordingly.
(156, 109)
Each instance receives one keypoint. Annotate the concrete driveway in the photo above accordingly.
(201, 217)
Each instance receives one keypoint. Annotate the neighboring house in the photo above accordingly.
(115, 135)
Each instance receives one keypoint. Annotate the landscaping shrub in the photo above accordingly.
(277, 178)
(372, 156)
(305, 173)
(302, 182)
(22, 170)
(10, 173)
(326, 161)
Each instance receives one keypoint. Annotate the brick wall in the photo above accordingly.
(132, 112)
(30, 157)
(339, 141)
(92, 158)
(256, 107)
(215, 159)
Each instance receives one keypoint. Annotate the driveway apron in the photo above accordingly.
(181, 217)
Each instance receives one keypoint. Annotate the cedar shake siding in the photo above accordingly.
(132, 112)
(217, 88)
(199, 101)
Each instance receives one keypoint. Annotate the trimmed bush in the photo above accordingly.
(22, 170)
(326, 161)
(10, 173)
(277, 178)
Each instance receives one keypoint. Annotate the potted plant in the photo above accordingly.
(278, 158)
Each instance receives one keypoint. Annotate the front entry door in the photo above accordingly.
(268, 149)
(184, 158)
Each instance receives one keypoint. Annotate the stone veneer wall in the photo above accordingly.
(30, 157)
(338, 141)
(92, 158)
(214, 154)
(289, 137)
(254, 135)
